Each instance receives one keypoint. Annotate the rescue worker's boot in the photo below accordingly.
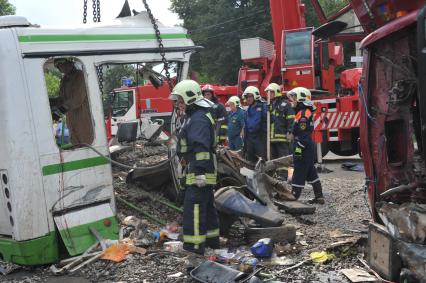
(319, 198)
(296, 192)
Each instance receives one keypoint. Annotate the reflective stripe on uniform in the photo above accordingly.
(213, 233)
(183, 145)
(288, 117)
(224, 126)
(297, 186)
(210, 118)
(204, 155)
(196, 219)
(211, 179)
(196, 240)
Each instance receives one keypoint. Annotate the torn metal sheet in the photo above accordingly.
(414, 256)
(232, 202)
(406, 221)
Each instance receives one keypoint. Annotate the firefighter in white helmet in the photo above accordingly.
(304, 169)
(255, 121)
(282, 117)
(196, 145)
(235, 123)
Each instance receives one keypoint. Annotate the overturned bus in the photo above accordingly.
(51, 194)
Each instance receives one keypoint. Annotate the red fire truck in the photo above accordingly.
(133, 103)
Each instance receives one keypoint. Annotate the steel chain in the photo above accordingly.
(160, 44)
(95, 18)
(85, 12)
(100, 74)
(98, 10)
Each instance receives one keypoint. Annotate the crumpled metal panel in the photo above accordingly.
(406, 221)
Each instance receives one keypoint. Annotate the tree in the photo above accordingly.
(218, 26)
(53, 80)
(6, 8)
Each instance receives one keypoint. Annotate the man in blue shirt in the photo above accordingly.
(235, 123)
(255, 125)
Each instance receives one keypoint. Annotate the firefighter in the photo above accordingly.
(255, 125)
(196, 145)
(282, 117)
(219, 113)
(235, 122)
(303, 154)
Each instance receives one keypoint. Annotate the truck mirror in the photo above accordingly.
(329, 29)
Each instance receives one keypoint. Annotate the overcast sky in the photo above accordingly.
(70, 12)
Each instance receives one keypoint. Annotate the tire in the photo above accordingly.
(225, 223)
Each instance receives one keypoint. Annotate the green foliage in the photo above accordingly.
(6, 8)
(331, 7)
(53, 80)
(218, 26)
(113, 75)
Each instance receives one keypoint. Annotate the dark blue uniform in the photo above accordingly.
(303, 155)
(282, 118)
(235, 126)
(219, 115)
(196, 145)
(255, 131)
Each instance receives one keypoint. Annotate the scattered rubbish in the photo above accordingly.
(339, 234)
(285, 233)
(173, 246)
(278, 261)
(351, 241)
(321, 257)
(176, 275)
(8, 267)
(293, 266)
(287, 249)
(263, 248)
(350, 166)
(358, 275)
(372, 271)
(303, 243)
(295, 207)
(140, 210)
(119, 251)
(213, 272)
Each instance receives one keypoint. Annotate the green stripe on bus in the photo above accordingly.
(95, 37)
(74, 165)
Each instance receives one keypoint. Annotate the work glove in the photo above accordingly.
(290, 137)
(298, 151)
(200, 181)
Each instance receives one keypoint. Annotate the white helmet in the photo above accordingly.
(189, 90)
(253, 91)
(301, 94)
(234, 99)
